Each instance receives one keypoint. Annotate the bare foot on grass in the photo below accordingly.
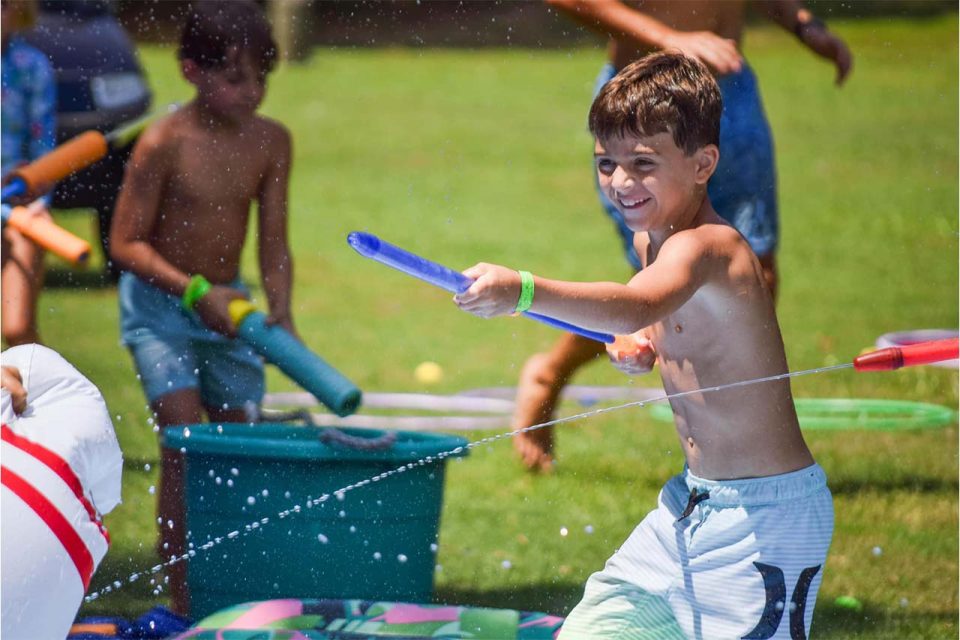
(537, 394)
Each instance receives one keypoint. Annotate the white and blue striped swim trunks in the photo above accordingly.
(716, 559)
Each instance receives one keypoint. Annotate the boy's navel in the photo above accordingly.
(678, 328)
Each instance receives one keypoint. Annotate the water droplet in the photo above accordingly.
(401, 558)
(563, 531)
(152, 490)
(323, 539)
(877, 551)
(251, 500)
(506, 564)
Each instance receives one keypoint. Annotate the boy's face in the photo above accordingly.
(233, 91)
(650, 180)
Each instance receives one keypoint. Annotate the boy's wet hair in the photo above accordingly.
(216, 29)
(660, 92)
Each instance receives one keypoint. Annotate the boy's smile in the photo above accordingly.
(650, 179)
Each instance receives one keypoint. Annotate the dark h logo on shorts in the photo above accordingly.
(776, 589)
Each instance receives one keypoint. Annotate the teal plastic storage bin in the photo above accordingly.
(378, 542)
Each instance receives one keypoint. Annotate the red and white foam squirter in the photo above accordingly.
(61, 469)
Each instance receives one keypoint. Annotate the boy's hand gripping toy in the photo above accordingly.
(304, 367)
(47, 234)
(76, 153)
(370, 246)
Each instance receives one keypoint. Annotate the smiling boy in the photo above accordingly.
(736, 545)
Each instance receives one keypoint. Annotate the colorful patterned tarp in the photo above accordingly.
(358, 619)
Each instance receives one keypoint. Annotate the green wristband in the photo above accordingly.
(196, 289)
(526, 291)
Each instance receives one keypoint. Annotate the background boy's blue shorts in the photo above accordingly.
(174, 350)
(743, 190)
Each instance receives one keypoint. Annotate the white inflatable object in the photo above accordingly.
(61, 468)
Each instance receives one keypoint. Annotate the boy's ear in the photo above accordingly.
(191, 70)
(706, 158)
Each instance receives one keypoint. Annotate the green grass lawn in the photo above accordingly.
(466, 156)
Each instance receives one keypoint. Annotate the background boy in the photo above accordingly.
(179, 229)
(743, 189)
(736, 545)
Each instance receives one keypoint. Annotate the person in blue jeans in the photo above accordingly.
(743, 189)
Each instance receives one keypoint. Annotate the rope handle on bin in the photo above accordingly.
(328, 435)
(334, 436)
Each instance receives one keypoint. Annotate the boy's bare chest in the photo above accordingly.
(216, 173)
(686, 332)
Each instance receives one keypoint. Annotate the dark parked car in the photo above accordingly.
(100, 85)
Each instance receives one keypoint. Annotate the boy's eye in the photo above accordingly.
(606, 167)
(642, 163)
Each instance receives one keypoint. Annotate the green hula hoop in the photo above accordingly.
(842, 413)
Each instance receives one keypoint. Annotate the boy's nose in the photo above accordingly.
(621, 180)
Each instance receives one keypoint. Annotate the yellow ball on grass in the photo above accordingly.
(428, 373)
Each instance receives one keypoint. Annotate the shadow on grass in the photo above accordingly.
(55, 278)
(856, 485)
(555, 598)
(833, 621)
(137, 464)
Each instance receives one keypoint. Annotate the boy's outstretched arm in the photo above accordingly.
(618, 20)
(797, 19)
(658, 290)
(276, 265)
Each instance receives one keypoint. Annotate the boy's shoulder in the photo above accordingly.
(164, 132)
(711, 239)
(716, 237)
(270, 131)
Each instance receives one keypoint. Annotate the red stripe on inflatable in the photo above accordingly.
(65, 533)
(59, 466)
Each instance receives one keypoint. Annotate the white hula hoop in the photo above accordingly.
(497, 401)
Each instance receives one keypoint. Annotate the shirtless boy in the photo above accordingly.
(743, 189)
(178, 232)
(736, 545)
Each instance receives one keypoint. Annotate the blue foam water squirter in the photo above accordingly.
(370, 246)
